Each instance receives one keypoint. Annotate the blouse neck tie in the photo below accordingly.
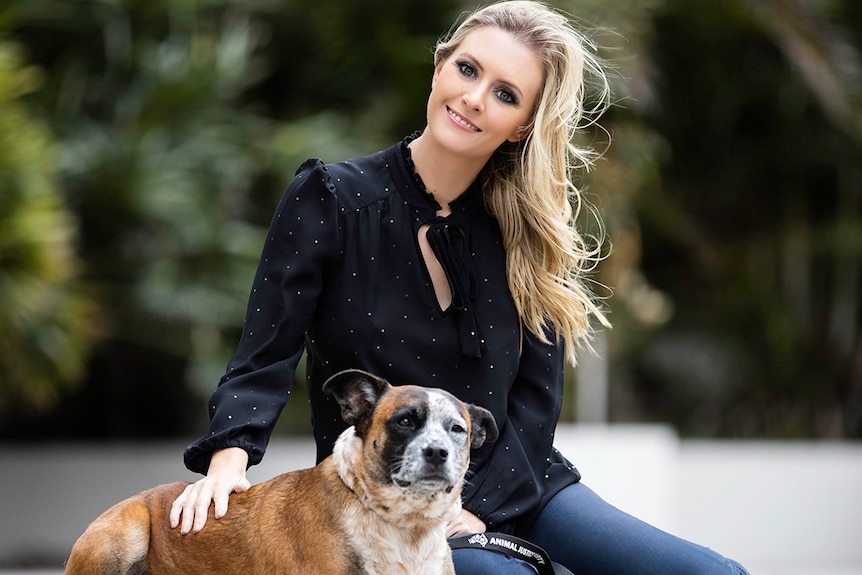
(448, 241)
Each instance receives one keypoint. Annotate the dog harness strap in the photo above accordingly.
(508, 545)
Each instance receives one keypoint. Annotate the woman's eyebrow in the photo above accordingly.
(508, 83)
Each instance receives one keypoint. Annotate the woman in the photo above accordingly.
(450, 260)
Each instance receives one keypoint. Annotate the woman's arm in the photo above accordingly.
(301, 243)
(512, 476)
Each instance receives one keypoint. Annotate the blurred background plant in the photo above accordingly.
(144, 144)
(737, 216)
(46, 320)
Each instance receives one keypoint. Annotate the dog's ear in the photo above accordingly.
(357, 392)
(483, 426)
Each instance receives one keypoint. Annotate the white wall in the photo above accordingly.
(780, 508)
(790, 507)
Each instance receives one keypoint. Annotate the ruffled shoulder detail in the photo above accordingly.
(314, 169)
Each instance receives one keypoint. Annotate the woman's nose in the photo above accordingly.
(473, 100)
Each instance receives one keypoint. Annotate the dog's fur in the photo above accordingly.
(378, 505)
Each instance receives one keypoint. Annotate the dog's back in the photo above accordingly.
(262, 533)
(116, 542)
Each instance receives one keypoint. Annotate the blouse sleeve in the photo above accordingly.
(301, 242)
(521, 469)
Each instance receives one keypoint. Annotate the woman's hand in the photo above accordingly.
(226, 475)
(465, 523)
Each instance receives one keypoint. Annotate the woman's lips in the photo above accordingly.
(461, 121)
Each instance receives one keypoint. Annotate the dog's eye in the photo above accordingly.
(458, 429)
(405, 422)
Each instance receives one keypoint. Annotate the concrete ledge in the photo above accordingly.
(780, 508)
(792, 507)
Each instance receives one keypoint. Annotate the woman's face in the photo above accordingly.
(484, 93)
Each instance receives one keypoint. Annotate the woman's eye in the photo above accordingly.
(467, 69)
(507, 97)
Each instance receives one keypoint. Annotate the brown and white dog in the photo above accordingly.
(378, 505)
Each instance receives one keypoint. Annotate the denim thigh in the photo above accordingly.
(589, 536)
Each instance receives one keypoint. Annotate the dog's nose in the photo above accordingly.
(435, 454)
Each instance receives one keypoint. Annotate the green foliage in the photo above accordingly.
(163, 132)
(46, 323)
(179, 123)
(748, 235)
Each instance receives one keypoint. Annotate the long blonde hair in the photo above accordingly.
(528, 185)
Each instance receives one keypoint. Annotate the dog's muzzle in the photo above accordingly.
(431, 471)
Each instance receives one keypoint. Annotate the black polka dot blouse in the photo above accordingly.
(342, 275)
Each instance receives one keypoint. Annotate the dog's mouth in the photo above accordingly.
(426, 484)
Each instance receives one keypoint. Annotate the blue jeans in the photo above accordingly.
(591, 537)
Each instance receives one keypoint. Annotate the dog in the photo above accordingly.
(378, 505)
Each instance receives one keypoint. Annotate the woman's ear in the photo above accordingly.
(437, 70)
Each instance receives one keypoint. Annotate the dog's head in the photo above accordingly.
(415, 438)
